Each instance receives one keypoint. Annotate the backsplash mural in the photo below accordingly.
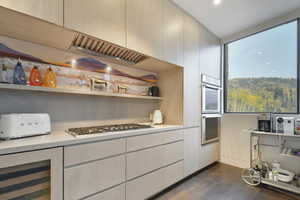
(71, 70)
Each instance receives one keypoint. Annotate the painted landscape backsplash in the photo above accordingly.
(276, 95)
(73, 71)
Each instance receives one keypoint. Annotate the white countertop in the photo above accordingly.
(61, 138)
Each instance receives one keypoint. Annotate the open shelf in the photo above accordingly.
(272, 134)
(281, 185)
(72, 91)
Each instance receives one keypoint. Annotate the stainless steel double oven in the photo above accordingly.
(211, 109)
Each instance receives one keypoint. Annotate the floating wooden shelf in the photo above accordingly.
(72, 91)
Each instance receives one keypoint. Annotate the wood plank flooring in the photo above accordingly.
(221, 182)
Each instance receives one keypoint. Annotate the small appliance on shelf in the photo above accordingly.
(24, 125)
(264, 122)
(285, 125)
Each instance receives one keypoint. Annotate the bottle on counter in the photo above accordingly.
(50, 79)
(4, 75)
(35, 78)
(19, 76)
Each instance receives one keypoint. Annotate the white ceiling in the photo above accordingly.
(233, 16)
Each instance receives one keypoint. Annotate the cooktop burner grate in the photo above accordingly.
(105, 129)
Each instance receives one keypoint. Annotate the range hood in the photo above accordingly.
(100, 48)
(24, 27)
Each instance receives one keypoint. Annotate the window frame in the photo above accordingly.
(225, 69)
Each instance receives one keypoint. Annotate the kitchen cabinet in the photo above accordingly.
(144, 27)
(104, 19)
(172, 33)
(191, 62)
(192, 149)
(93, 177)
(209, 154)
(145, 161)
(48, 10)
(150, 184)
(151, 140)
(116, 193)
(35, 171)
(210, 53)
(77, 154)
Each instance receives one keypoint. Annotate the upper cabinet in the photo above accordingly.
(104, 19)
(48, 10)
(172, 33)
(192, 103)
(210, 53)
(144, 26)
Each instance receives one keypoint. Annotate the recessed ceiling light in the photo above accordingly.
(217, 2)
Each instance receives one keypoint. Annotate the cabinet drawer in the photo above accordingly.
(145, 161)
(145, 141)
(87, 179)
(116, 193)
(150, 184)
(93, 151)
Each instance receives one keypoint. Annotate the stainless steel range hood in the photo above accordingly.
(96, 47)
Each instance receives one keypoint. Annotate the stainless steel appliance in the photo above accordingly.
(211, 95)
(285, 125)
(24, 125)
(105, 129)
(211, 128)
(264, 122)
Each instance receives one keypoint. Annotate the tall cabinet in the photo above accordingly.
(144, 26)
(103, 19)
(48, 10)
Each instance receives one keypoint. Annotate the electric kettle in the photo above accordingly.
(157, 117)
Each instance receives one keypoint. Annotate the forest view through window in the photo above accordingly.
(261, 71)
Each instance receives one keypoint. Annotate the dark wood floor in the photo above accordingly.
(221, 182)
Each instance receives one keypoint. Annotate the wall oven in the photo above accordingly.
(211, 128)
(211, 95)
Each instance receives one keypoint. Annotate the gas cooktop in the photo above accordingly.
(105, 129)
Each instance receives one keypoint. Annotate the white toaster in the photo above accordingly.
(24, 125)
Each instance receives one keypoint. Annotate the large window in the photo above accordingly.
(261, 71)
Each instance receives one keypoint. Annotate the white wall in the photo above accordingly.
(235, 143)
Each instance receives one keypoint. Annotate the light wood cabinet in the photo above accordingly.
(192, 149)
(48, 10)
(104, 19)
(172, 33)
(150, 140)
(116, 193)
(192, 89)
(145, 161)
(77, 154)
(93, 177)
(144, 26)
(210, 53)
(150, 184)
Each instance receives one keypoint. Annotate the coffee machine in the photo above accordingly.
(264, 122)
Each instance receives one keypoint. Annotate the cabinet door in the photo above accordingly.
(49, 10)
(172, 33)
(144, 26)
(210, 53)
(36, 174)
(192, 89)
(209, 154)
(104, 19)
(192, 148)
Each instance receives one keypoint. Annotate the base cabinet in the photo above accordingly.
(150, 184)
(116, 193)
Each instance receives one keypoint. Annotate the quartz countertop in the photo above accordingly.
(61, 138)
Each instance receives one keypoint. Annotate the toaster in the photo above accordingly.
(24, 125)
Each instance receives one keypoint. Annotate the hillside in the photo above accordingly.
(262, 95)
